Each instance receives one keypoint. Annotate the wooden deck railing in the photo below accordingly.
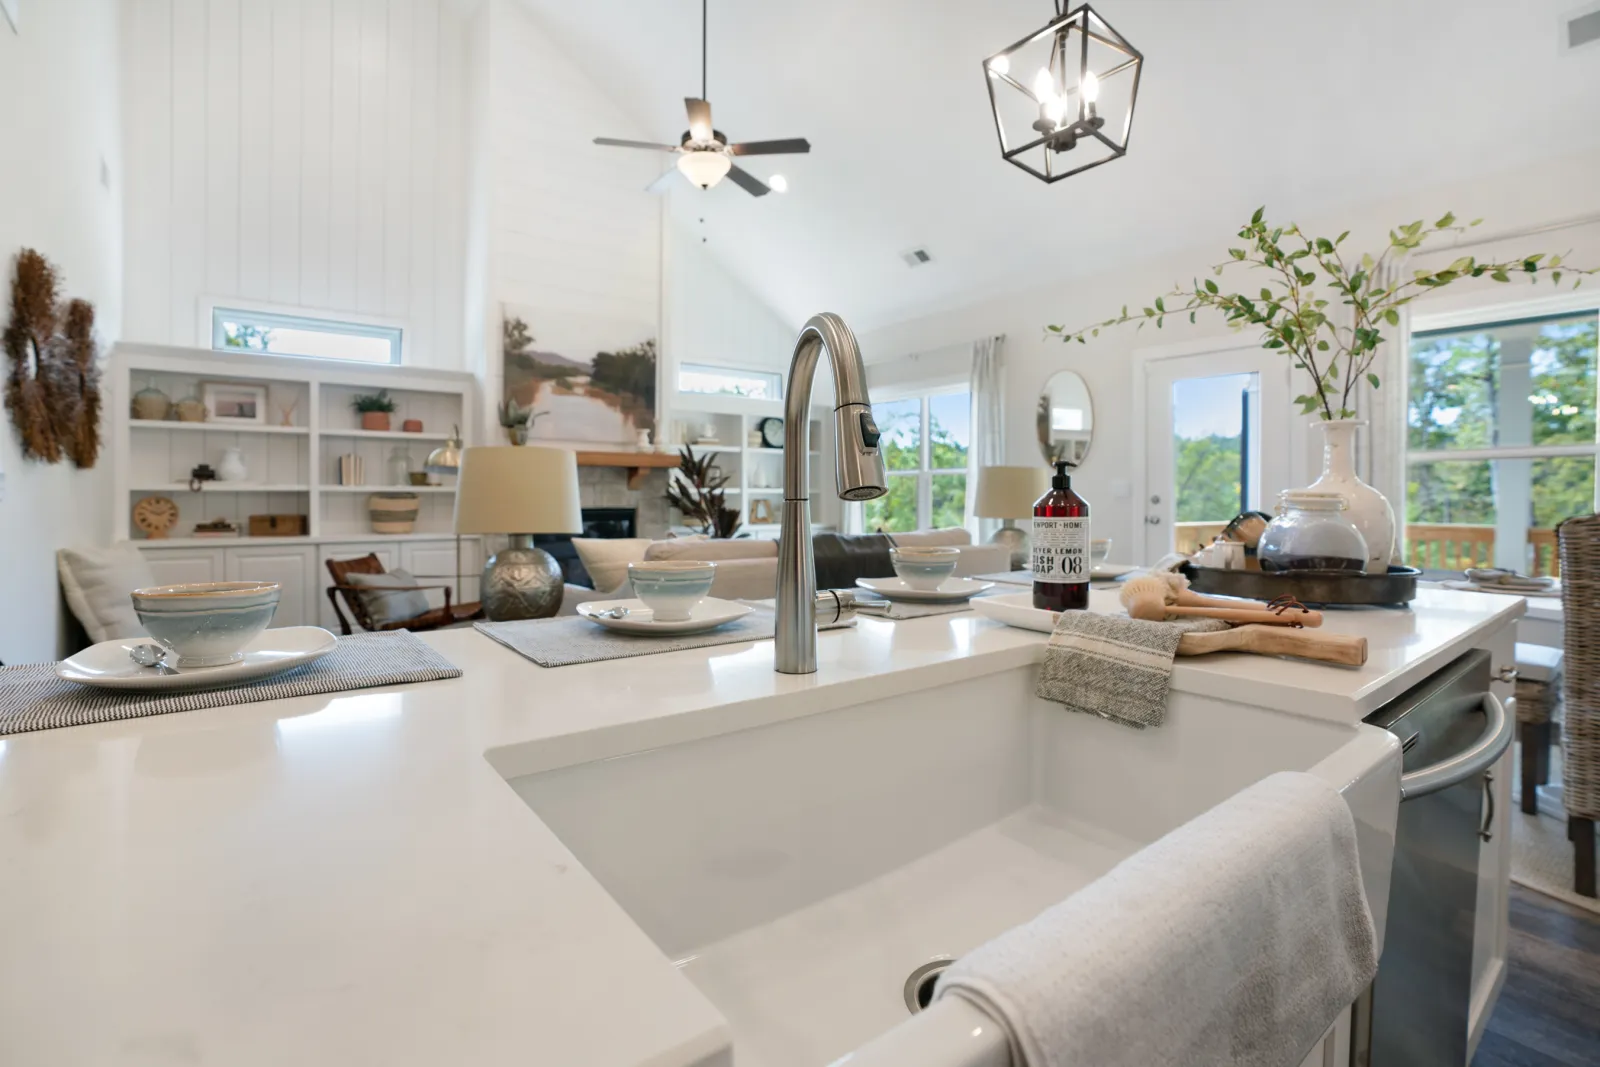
(1437, 546)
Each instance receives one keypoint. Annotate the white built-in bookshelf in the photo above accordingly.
(755, 471)
(291, 469)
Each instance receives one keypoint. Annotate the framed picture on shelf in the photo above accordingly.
(230, 402)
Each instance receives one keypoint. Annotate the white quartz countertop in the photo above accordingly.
(349, 880)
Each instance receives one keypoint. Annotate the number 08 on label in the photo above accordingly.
(1061, 547)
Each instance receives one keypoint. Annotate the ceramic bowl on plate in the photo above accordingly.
(1099, 550)
(206, 624)
(924, 568)
(671, 588)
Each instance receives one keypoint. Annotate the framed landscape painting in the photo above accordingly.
(587, 381)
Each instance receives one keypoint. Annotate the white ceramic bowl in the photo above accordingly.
(207, 623)
(671, 588)
(924, 568)
(1100, 550)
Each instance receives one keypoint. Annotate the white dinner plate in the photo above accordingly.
(1110, 572)
(706, 615)
(107, 665)
(951, 589)
(1016, 609)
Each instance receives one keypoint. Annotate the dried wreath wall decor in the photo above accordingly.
(53, 377)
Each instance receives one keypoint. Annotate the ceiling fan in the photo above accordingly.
(704, 155)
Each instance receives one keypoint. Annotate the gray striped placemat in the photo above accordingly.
(33, 698)
(570, 639)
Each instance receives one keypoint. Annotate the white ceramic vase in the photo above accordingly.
(232, 468)
(1364, 505)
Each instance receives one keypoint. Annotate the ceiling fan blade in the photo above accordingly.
(699, 118)
(748, 182)
(771, 148)
(664, 182)
(615, 143)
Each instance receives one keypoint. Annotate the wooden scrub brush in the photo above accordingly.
(1157, 597)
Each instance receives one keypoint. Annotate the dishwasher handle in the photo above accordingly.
(1463, 765)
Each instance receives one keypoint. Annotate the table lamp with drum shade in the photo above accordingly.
(520, 490)
(1008, 494)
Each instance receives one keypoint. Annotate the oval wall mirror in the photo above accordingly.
(1065, 418)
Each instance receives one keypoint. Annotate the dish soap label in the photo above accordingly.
(1060, 550)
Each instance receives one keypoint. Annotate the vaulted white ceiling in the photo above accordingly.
(1304, 105)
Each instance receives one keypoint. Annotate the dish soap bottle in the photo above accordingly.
(1061, 547)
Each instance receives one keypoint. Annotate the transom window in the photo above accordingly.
(1501, 441)
(924, 446)
(280, 334)
(729, 381)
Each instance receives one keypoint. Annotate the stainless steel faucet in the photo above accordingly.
(859, 474)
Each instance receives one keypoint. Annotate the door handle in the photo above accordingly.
(1152, 520)
(1487, 830)
(1490, 746)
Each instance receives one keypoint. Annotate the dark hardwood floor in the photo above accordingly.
(1549, 1011)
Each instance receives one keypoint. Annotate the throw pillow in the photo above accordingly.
(607, 558)
(391, 597)
(97, 581)
(708, 549)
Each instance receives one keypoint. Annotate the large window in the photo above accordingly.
(924, 445)
(1501, 440)
(279, 334)
(730, 381)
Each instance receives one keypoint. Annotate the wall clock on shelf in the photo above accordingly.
(771, 432)
(156, 516)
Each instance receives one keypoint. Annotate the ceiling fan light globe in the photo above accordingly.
(704, 169)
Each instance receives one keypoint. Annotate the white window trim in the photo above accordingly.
(732, 368)
(209, 306)
(1509, 553)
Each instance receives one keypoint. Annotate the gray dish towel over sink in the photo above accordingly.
(1114, 667)
(1234, 941)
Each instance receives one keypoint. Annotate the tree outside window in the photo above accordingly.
(924, 445)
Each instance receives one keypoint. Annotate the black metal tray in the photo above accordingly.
(1311, 588)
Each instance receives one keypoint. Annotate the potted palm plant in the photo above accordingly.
(1328, 313)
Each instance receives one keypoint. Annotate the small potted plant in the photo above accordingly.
(374, 408)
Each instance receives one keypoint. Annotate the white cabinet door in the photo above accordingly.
(1492, 928)
(175, 566)
(290, 567)
(434, 563)
(388, 554)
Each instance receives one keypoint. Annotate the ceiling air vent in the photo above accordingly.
(1580, 28)
(916, 257)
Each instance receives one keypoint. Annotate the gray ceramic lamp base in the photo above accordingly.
(522, 582)
(1016, 541)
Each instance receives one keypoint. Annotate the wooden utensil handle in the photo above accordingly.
(1347, 649)
(1288, 617)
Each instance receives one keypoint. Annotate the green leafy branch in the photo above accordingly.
(1308, 275)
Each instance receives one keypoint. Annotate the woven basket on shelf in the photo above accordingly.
(1580, 609)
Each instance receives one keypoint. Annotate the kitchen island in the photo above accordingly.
(350, 879)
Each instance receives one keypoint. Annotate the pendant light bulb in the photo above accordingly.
(1044, 85)
(1000, 65)
(705, 169)
(1091, 87)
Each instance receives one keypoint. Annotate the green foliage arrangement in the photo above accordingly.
(379, 401)
(1308, 275)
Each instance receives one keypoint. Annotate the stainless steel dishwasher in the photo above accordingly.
(1415, 1014)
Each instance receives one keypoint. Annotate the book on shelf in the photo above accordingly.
(352, 471)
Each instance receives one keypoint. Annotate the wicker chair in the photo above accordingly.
(1580, 748)
(432, 619)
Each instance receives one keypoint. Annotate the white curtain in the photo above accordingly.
(988, 449)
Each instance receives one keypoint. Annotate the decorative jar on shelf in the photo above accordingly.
(150, 403)
(232, 468)
(1365, 507)
(1312, 532)
(399, 466)
(191, 409)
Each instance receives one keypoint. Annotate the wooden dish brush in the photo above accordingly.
(1157, 597)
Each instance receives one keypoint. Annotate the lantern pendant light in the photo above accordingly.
(1063, 97)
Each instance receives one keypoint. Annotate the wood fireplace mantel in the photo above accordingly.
(637, 464)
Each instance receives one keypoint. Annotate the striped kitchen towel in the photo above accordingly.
(1114, 667)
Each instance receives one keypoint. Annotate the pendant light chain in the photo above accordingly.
(703, 50)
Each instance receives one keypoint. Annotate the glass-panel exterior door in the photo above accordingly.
(1209, 452)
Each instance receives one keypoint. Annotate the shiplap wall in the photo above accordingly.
(304, 153)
